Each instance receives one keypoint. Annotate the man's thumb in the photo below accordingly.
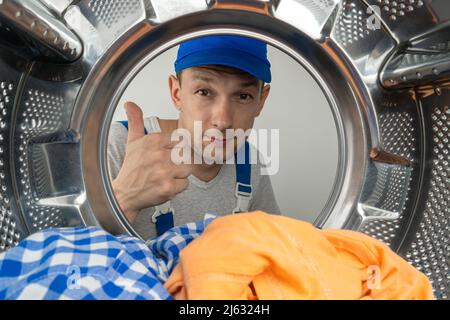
(135, 121)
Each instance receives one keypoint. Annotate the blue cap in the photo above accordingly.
(244, 53)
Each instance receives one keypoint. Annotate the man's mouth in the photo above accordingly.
(218, 141)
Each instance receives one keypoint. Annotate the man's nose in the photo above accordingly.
(223, 116)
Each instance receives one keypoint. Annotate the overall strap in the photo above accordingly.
(243, 190)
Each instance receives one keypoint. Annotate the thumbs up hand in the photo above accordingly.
(135, 122)
(148, 176)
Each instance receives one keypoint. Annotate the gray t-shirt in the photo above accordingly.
(216, 196)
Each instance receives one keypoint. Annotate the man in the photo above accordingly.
(219, 84)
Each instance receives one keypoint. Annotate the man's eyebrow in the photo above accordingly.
(203, 78)
(250, 83)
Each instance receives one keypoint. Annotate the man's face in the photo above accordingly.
(220, 101)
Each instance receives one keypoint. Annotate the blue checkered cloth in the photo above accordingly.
(89, 263)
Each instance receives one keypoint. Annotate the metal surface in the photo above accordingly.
(57, 6)
(32, 18)
(383, 66)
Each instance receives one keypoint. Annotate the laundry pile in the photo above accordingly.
(251, 255)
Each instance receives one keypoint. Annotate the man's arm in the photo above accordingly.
(146, 177)
(117, 143)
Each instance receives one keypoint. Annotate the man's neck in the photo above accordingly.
(206, 172)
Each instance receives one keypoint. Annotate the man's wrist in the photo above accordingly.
(124, 201)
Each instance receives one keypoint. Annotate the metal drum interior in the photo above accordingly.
(384, 67)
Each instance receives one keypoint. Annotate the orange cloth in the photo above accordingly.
(261, 256)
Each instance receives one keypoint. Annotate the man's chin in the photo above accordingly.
(219, 157)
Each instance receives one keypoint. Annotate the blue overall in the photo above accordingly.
(243, 190)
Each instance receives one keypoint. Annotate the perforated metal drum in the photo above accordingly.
(383, 65)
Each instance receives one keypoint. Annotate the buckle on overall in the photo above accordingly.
(162, 209)
(243, 197)
(242, 193)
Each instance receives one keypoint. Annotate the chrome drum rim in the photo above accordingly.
(388, 89)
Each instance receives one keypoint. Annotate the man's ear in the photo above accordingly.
(175, 90)
(264, 95)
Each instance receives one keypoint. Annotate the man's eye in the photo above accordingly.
(245, 96)
(203, 92)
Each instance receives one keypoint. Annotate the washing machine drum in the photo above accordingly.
(383, 65)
